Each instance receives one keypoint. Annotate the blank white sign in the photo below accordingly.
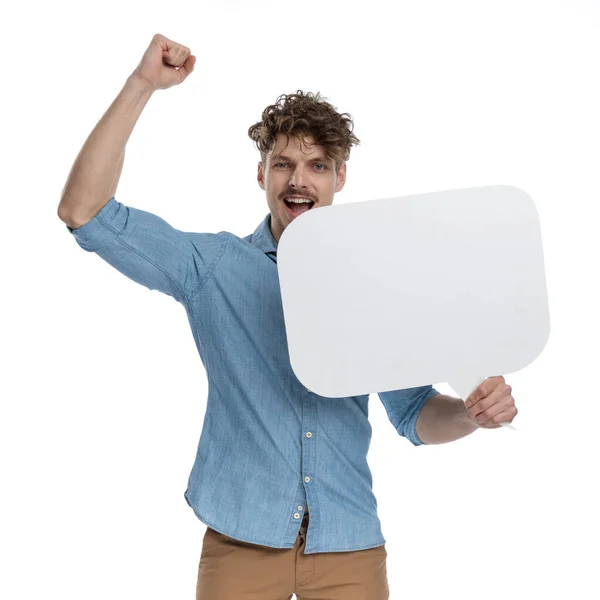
(402, 292)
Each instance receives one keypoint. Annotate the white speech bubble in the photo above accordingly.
(402, 292)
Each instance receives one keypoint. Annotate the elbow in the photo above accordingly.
(63, 215)
(70, 219)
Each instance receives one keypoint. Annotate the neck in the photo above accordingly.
(275, 230)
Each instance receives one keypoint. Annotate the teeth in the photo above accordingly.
(299, 200)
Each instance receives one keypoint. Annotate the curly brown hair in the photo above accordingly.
(310, 115)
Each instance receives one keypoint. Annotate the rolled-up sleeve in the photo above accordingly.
(145, 248)
(403, 408)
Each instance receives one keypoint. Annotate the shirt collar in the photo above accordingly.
(263, 238)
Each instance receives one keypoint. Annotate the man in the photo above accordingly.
(269, 447)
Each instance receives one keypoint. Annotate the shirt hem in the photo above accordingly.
(369, 547)
(306, 549)
(235, 537)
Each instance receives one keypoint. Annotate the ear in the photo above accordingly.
(341, 178)
(260, 176)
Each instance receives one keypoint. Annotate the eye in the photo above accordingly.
(323, 167)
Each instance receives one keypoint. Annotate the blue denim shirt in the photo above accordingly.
(269, 449)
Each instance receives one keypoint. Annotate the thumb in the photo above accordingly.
(188, 66)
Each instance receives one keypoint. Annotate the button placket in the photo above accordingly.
(308, 445)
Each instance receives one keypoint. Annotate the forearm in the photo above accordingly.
(113, 188)
(96, 171)
(444, 419)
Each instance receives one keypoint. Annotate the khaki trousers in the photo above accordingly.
(234, 570)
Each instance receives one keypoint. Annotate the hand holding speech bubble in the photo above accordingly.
(402, 292)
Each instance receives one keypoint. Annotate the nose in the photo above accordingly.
(297, 178)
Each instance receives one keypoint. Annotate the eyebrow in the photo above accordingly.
(283, 157)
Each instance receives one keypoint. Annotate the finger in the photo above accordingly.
(488, 425)
(187, 67)
(486, 403)
(502, 404)
(176, 55)
(485, 389)
(491, 425)
(505, 415)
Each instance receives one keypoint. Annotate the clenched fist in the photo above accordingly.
(165, 63)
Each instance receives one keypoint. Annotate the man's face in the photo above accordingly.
(297, 171)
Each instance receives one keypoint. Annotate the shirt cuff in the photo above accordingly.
(412, 428)
(97, 231)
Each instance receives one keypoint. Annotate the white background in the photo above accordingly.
(103, 393)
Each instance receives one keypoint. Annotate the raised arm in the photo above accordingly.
(95, 173)
(139, 244)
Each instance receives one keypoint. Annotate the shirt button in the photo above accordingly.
(308, 434)
(307, 479)
(299, 508)
(296, 516)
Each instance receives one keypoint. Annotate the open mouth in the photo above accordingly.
(298, 206)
